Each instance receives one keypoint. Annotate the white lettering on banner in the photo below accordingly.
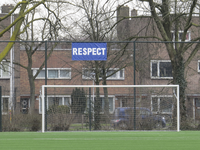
(79, 51)
(94, 51)
(103, 49)
(98, 53)
(84, 51)
(89, 51)
(74, 51)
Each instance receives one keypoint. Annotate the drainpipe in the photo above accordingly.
(11, 70)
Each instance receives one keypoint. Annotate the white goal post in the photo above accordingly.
(176, 94)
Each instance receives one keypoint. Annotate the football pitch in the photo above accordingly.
(127, 140)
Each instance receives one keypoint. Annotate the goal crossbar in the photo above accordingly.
(102, 86)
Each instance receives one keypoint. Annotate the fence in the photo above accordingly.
(31, 64)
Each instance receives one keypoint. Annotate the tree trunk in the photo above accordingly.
(97, 102)
(178, 70)
(32, 95)
(105, 90)
(31, 83)
(106, 101)
(97, 110)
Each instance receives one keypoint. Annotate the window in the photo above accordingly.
(41, 74)
(196, 111)
(162, 104)
(161, 69)
(4, 107)
(5, 69)
(64, 73)
(87, 74)
(198, 66)
(55, 100)
(110, 73)
(110, 99)
(111, 103)
(125, 102)
(61, 73)
(187, 38)
(52, 73)
(119, 75)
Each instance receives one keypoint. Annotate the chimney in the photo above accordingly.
(133, 13)
(6, 8)
(123, 11)
(123, 27)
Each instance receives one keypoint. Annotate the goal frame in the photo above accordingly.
(102, 86)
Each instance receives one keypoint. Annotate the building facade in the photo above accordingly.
(10, 76)
(153, 67)
(153, 60)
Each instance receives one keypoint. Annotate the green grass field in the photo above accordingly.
(128, 140)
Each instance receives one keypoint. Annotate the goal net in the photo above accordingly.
(109, 107)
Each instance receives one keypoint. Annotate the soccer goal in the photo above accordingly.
(109, 107)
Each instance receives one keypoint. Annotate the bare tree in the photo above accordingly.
(49, 25)
(174, 16)
(23, 11)
(96, 22)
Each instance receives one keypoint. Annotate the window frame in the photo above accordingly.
(8, 97)
(198, 66)
(158, 69)
(58, 69)
(1, 70)
(90, 72)
(69, 96)
(158, 102)
(101, 96)
(179, 32)
(49, 96)
(118, 73)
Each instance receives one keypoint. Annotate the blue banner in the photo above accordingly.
(89, 51)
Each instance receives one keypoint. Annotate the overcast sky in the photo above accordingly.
(13, 2)
(132, 5)
(5, 2)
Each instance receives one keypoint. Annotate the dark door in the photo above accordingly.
(24, 105)
(197, 108)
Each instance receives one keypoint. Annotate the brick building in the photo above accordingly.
(9, 75)
(61, 70)
(153, 60)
